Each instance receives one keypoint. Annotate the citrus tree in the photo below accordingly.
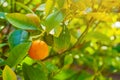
(59, 39)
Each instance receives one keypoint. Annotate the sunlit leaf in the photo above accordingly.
(101, 16)
(8, 74)
(28, 60)
(57, 31)
(76, 33)
(98, 36)
(64, 74)
(21, 21)
(68, 60)
(48, 6)
(62, 42)
(111, 3)
(101, 77)
(53, 20)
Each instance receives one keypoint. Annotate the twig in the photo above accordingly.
(76, 44)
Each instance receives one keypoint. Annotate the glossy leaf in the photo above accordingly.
(18, 53)
(53, 20)
(101, 16)
(51, 67)
(28, 60)
(76, 33)
(98, 36)
(57, 31)
(34, 72)
(64, 74)
(48, 6)
(21, 21)
(60, 3)
(17, 37)
(62, 42)
(68, 60)
(8, 74)
(101, 77)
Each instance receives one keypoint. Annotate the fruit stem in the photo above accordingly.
(37, 36)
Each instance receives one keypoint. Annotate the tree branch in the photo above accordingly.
(76, 44)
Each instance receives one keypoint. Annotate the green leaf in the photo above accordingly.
(2, 15)
(53, 20)
(17, 37)
(51, 67)
(68, 59)
(21, 21)
(48, 6)
(85, 76)
(62, 42)
(101, 16)
(34, 72)
(117, 47)
(28, 60)
(1, 71)
(48, 38)
(24, 6)
(18, 53)
(8, 74)
(101, 77)
(57, 31)
(76, 33)
(2, 45)
(2, 62)
(64, 74)
(60, 3)
(98, 36)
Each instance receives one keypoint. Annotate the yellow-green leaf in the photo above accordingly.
(53, 20)
(8, 74)
(22, 21)
(49, 6)
(101, 16)
(94, 35)
(60, 3)
(62, 42)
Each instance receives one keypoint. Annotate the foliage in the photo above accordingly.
(83, 38)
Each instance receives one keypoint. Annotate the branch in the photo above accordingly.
(76, 44)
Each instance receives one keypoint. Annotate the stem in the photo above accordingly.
(38, 36)
(76, 44)
(28, 2)
(79, 41)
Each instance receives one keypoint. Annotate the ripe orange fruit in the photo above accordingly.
(38, 50)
